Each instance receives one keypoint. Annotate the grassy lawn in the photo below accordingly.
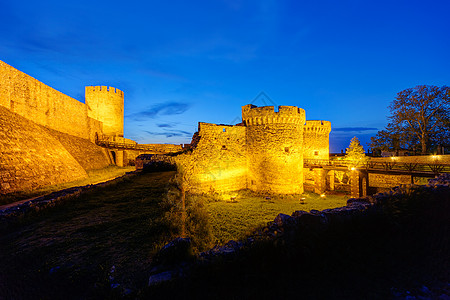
(234, 219)
(399, 251)
(94, 176)
(100, 244)
(86, 246)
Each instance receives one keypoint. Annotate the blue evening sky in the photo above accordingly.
(181, 62)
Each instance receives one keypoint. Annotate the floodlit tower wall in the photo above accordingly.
(105, 104)
(274, 142)
(316, 140)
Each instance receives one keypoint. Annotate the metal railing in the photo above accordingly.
(433, 167)
(107, 143)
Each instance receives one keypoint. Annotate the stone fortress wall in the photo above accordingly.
(106, 105)
(47, 137)
(316, 139)
(219, 161)
(36, 101)
(274, 144)
(31, 157)
(264, 153)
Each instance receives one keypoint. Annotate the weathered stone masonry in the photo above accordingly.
(264, 153)
(32, 99)
(47, 137)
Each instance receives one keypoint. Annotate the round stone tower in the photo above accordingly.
(105, 104)
(274, 142)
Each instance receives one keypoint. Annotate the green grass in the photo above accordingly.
(100, 245)
(403, 246)
(234, 219)
(94, 176)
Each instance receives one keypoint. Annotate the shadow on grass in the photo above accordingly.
(96, 245)
(403, 248)
(94, 177)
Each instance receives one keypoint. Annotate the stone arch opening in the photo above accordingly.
(342, 180)
(113, 155)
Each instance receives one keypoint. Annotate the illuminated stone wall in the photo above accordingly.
(106, 105)
(264, 153)
(388, 181)
(31, 157)
(316, 140)
(218, 163)
(55, 144)
(274, 148)
(42, 104)
(46, 106)
(86, 153)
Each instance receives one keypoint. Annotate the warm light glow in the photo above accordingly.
(393, 157)
(353, 168)
(322, 195)
(229, 196)
(435, 157)
(221, 174)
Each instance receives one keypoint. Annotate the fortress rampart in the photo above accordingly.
(106, 105)
(32, 99)
(47, 137)
(274, 143)
(42, 104)
(264, 154)
(316, 137)
(218, 163)
(318, 126)
(253, 115)
(31, 157)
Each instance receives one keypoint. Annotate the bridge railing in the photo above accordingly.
(106, 143)
(433, 167)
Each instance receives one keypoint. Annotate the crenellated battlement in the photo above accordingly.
(105, 104)
(317, 126)
(253, 115)
(104, 89)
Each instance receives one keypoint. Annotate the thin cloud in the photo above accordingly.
(171, 133)
(354, 129)
(161, 109)
(164, 125)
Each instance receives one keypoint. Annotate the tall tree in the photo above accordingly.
(419, 115)
(355, 152)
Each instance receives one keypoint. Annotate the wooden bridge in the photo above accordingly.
(147, 148)
(359, 172)
(121, 151)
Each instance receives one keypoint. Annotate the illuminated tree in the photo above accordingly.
(420, 117)
(355, 152)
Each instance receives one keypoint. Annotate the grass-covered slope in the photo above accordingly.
(398, 249)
